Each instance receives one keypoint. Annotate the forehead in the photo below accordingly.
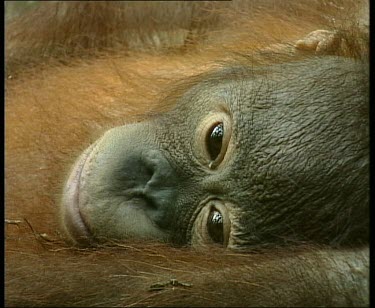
(247, 84)
(252, 85)
(248, 93)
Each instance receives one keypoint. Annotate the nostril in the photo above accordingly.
(133, 174)
(149, 171)
(151, 161)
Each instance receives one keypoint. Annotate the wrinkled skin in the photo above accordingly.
(228, 168)
(278, 181)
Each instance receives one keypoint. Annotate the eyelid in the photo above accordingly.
(200, 236)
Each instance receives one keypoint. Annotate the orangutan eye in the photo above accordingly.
(214, 140)
(212, 225)
(215, 226)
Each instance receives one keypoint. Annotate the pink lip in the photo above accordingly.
(73, 219)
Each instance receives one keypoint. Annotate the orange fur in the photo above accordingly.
(75, 69)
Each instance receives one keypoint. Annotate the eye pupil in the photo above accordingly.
(215, 140)
(215, 226)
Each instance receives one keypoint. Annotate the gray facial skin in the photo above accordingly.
(292, 163)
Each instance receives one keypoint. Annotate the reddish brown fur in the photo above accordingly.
(68, 80)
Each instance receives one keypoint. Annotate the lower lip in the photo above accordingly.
(72, 218)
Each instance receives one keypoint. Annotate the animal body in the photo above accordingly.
(187, 154)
